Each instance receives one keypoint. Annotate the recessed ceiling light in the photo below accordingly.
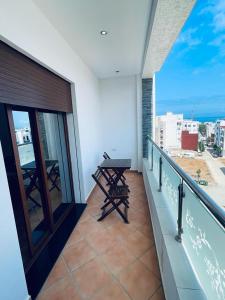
(103, 32)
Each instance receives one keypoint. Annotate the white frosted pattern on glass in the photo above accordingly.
(203, 239)
(170, 183)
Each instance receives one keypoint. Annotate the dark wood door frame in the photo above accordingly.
(20, 178)
(39, 156)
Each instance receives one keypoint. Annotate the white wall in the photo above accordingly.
(12, 280)
(23, 25)
(119, 117)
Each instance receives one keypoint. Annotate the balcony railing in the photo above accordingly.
(200, 221)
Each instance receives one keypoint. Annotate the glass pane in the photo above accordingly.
(156, 156)
(170, 183)
(30, 174)
(203, 239)
(55, 155)
(150, 153)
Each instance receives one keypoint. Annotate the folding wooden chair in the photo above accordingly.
(115, 172)
(115, 196)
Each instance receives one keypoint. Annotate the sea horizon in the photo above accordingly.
(201, 119)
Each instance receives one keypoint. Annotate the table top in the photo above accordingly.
(116, 164)
(32, 165)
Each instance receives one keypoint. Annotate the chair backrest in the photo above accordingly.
(106, 156)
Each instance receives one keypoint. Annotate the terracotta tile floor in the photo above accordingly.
(109, 260)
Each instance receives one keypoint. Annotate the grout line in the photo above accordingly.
(156, 291)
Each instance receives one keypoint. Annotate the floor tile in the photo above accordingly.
(138, 281)
(61, 290)
(159, 295)
(91, 278)
(112, 219)
(136, 217)
(89, 226)
(58, 272)
(151, 261)
(101, 241)
(146, 230)
(93, 210)
(85, 217)
(75, 237)
(112, 292)
(117, 258)
(77, 255)
(121, 229)
(137, 243)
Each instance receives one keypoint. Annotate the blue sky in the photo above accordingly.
(192, 79)
(21, 119)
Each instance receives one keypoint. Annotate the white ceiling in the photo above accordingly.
(80, 23)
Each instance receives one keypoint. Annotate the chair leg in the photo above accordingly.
(115, 206)
(125, 202)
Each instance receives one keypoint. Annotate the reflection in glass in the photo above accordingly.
(55, 155)
(30, 175)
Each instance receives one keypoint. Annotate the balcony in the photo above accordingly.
(175, 249)
(102, 88)
(109, 259)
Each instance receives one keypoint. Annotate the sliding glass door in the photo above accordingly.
(32, 183)
(42, 160)
(56, 162)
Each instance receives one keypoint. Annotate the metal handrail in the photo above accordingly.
(212, 206)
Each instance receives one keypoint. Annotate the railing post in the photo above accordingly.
(152, 158)
(181, 196)
(160, 174)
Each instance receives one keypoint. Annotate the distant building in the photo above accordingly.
(219, 135)
(169, 128)
(210, 129)
(23, 135)
(190, 126)
(189, 141)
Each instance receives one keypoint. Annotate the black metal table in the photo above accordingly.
(119, 166)
(116, 164)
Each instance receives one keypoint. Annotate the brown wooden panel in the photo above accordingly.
(26, 83)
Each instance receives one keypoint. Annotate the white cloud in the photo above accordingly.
(188, 38)
(218, 41)
(217, 9)
(198, 71)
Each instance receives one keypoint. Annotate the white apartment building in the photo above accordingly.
(190, 126)
(169, 128)
(219, 135)
(23, 135)
(210, 129)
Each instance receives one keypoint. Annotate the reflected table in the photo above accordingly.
(31, 173)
